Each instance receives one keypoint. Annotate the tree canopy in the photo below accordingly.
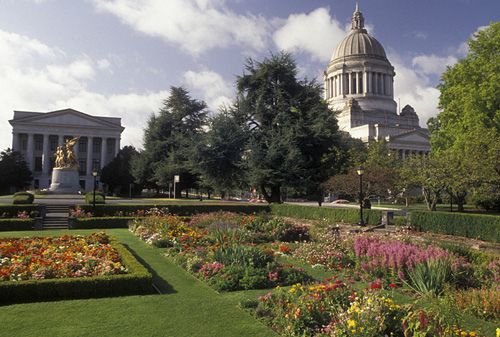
(293, 136)
(117, 173)
(168, 142)
(14, 171)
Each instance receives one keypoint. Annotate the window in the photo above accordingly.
(38, 142)
(353, 83)
(111, 148)
(96, 145)
(82, 145)
(83, 167)
(82, 184)
(52, 163)
(53, 140)
(36, 184)
(24, 142)
(38, 164)
(96, 164)
(360, 83)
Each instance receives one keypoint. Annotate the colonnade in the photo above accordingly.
(363, 82)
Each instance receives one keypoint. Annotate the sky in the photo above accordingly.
(120, 57)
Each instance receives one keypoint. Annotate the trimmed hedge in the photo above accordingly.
(10, 211)
(23, 198)
(348, 215)
(99, 198)
(477, 226)
(137, 281)
(100, 222)
(111, 210)
(16, 225)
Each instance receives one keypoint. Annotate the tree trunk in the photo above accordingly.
(209, 194)
(460, 200)
(427, 197)
(275, 196)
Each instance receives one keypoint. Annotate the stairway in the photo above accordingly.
(56, 217)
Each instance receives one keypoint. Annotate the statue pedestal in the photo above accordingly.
(65, 180)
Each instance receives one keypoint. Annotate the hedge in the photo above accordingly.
(110, 210)
(477, 226)
(16, 225)
(348, 215)
(10, 211)
(99, 198)
(137, 281)
(100, 222)
(23, 198)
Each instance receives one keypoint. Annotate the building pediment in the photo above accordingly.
(415, 136)
(67, 117)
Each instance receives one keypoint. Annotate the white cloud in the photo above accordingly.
(433, 64)
(37, 77)
(194, 25)
(315, 33)
(211, 86)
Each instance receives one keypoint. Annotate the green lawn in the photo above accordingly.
(187, 306)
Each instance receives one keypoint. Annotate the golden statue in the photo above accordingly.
(66, 158)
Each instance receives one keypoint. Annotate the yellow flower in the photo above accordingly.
(351, 323)
(498, 332)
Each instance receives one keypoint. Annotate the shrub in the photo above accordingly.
(100, 198)
(243, 256)
(16, 224)
(335, 215)
(101, 222)
(23, 198)
(11, 211)
(483, 227)
(173, 208)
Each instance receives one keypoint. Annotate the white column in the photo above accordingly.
(90, 149)
(104, 148)
(365, 79)
(15, 141)
(117, 146)
(29, 152)
(341, 85)
(349, 83)
(331, 86)
(45, 155)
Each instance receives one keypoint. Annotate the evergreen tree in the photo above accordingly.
(14, 171)
(168, 141)
(293, 136)
(117, 173)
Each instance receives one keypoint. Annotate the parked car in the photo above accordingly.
(340, 201)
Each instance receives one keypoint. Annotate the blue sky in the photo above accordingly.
(119, 57)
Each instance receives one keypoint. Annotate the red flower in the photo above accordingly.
(376, 285)
(393, 285)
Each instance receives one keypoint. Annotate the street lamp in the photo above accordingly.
(94, 174)
(361, 171)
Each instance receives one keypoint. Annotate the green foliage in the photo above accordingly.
(430, 277)
(219, 154)
(16, 224)
(100, 222)
(242, 255)
(483, 227)
(100, 198)
(15, 172)
(11, 211)
(293, 136)
(23, 198)
(178, 209)
(334, 215)
(117, 173)
(137, 281)
(168, 143)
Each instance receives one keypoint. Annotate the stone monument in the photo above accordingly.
(65, 175)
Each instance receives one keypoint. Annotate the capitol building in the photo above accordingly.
(359, 85)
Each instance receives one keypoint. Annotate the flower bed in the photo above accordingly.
(47, 268)
(221, 248)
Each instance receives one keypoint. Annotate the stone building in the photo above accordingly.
(359, 85)
(36, 135)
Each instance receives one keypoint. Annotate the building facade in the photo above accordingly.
(359, 85)
(36, 135)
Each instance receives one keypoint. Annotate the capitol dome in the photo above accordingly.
(359, 42)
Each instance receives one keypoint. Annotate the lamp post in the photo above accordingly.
(94, 174)
(361, 171)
